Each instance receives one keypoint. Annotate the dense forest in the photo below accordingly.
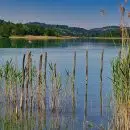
(8, 29)
(34, 28)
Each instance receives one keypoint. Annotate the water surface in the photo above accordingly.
(61, 53)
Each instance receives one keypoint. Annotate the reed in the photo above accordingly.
(37, 97)
(121, 83)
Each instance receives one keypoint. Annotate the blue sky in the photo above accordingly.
(79, 13)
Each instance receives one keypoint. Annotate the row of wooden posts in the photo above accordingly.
(26, 100)
(27, 96)
(27, 68)
(27, 72)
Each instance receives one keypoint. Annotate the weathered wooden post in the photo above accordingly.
(27, 78)
(73, 85)
(40, 81)
(23, 80)
(86, 91)
(101, 78)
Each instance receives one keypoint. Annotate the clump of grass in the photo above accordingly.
(25, 90)
(121, 78)
(121, 81)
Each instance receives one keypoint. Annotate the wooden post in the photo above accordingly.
(45, 84)
(45, 66)
(74, 65)
(101, 77)
(22, 93)
(73, 85)
(86, 91)
(44, 90)
(40, 81)
(27, 82)
(31, 86)
(119, 54)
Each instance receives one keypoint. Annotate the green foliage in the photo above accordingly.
(7, 29)
(121, 78)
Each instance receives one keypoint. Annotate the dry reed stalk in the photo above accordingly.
(16, 89)
(40, 120)
(40, 82)
(23, 80)
(57, 121)
(120, 120)
(11, 91)
(101, 77)
(122, 10)
(54, 90)
(126, 1)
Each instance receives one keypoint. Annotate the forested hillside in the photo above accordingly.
(34, 28)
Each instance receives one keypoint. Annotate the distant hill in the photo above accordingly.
(35, 28)
(62, 29)
(108, 31)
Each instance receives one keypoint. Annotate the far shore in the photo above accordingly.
(107, 38)
(31, 38)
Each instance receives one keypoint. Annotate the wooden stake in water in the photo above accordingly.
(40, 82)
(44, 90)
(73, 84)
(74, 65)
(27, 79)
(45, 66)
(119, 54)
(45, 85)
(101, 77)
(86, 91)
(31, 86)
(23, 80)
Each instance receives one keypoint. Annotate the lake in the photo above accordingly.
(62, 53)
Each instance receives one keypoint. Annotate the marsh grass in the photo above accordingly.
(121, 82)
(28, 94)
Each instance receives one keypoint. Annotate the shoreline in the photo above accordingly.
(106, 38)
(31, 37)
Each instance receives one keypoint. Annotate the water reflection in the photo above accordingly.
(74, 99)
(9, 43)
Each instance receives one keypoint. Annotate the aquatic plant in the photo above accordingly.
(121, 81)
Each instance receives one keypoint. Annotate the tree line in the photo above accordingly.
(8, 29)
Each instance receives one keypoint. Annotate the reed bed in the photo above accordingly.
(121, 82)
(36, 97)
(31, 95)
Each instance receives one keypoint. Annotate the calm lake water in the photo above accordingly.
(61, 53)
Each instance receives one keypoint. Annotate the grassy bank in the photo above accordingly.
(30, 37)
